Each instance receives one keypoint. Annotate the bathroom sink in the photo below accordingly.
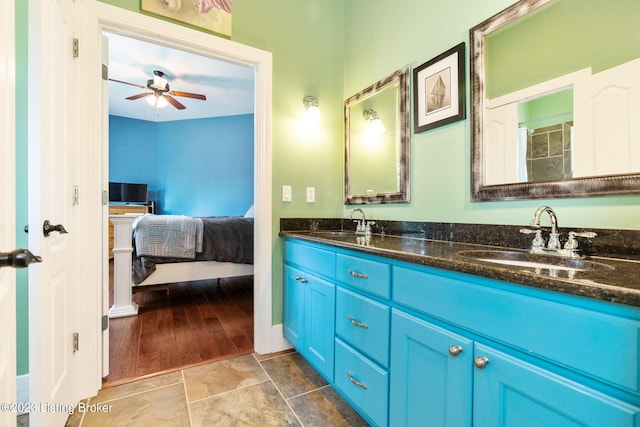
(526, 259)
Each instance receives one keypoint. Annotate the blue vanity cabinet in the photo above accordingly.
(412, 345)
(309, 304)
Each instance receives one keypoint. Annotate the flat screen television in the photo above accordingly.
(128, 193)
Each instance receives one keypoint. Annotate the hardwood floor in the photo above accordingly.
(196, 322)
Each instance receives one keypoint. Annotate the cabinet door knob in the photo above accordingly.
(481, 362)
(455, 350)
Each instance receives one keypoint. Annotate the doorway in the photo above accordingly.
(196, 159)
(267, 337)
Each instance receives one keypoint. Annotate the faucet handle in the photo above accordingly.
(572, 242)
(587, 234)
(529, 231)
(538, 241)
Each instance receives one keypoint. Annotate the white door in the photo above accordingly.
(56, 286)
(7, 212)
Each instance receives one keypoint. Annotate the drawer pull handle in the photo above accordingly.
(354, 322)
(356, 382)
(481, 362)
(455, 350)
(301, 279)
(358, 275)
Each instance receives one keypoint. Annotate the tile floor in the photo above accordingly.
(251, 390)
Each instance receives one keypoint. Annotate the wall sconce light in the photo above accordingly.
(374, 124)
(313, 109)
(157, 101)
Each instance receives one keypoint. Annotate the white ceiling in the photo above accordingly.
(229, 88)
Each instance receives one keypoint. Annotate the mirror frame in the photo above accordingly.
(575, 187)
(400, 77)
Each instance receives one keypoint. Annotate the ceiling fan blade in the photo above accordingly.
(174, 102)
(188, 95)
(127, 83)
(140, 95)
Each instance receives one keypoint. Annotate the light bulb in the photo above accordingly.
(157, 101)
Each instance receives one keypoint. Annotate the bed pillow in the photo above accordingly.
(249, 213)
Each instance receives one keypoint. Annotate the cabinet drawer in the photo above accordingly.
(364, 324)
(310, 258)
(365, 384)
(593, 342)
(367, 275)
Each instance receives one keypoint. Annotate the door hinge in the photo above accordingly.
(105, 72)
(105, 197)
(76, 342)
(76, 48)
(105, 322)
(76, 195)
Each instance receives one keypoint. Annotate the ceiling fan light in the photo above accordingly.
(157, 101)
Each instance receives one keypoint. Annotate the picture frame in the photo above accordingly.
(211, 15)
(439, 90)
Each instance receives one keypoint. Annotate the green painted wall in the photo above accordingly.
(22, 282)
(333, 49)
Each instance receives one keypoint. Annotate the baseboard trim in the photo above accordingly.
(276, 342)
(22, 390)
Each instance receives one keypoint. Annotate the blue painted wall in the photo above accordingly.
(133, 153)
(200, 167)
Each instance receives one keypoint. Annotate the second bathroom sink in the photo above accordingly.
(526, 259)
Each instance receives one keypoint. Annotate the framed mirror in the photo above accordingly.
(377, 142)
(555, 100)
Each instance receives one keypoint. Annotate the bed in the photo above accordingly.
(152, 251)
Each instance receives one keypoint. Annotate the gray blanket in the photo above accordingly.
(224, 239)
(174, 236)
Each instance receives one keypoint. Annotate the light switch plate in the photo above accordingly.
(311, 194)
(286, 193)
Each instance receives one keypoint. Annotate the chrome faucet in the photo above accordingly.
(554, 241)
(360, 225)
(570, 248)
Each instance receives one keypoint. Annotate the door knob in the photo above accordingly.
(47, 228)
(20, 258)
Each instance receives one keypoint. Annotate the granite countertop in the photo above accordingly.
(619, 285)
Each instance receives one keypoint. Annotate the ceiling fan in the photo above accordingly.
(159, 88)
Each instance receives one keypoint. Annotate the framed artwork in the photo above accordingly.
(439, 93)
(211, 15)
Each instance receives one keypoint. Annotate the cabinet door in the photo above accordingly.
(319, 314)
(431, 374)
(293, 308)
(511, 392)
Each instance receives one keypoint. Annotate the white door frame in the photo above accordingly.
(267, 337)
